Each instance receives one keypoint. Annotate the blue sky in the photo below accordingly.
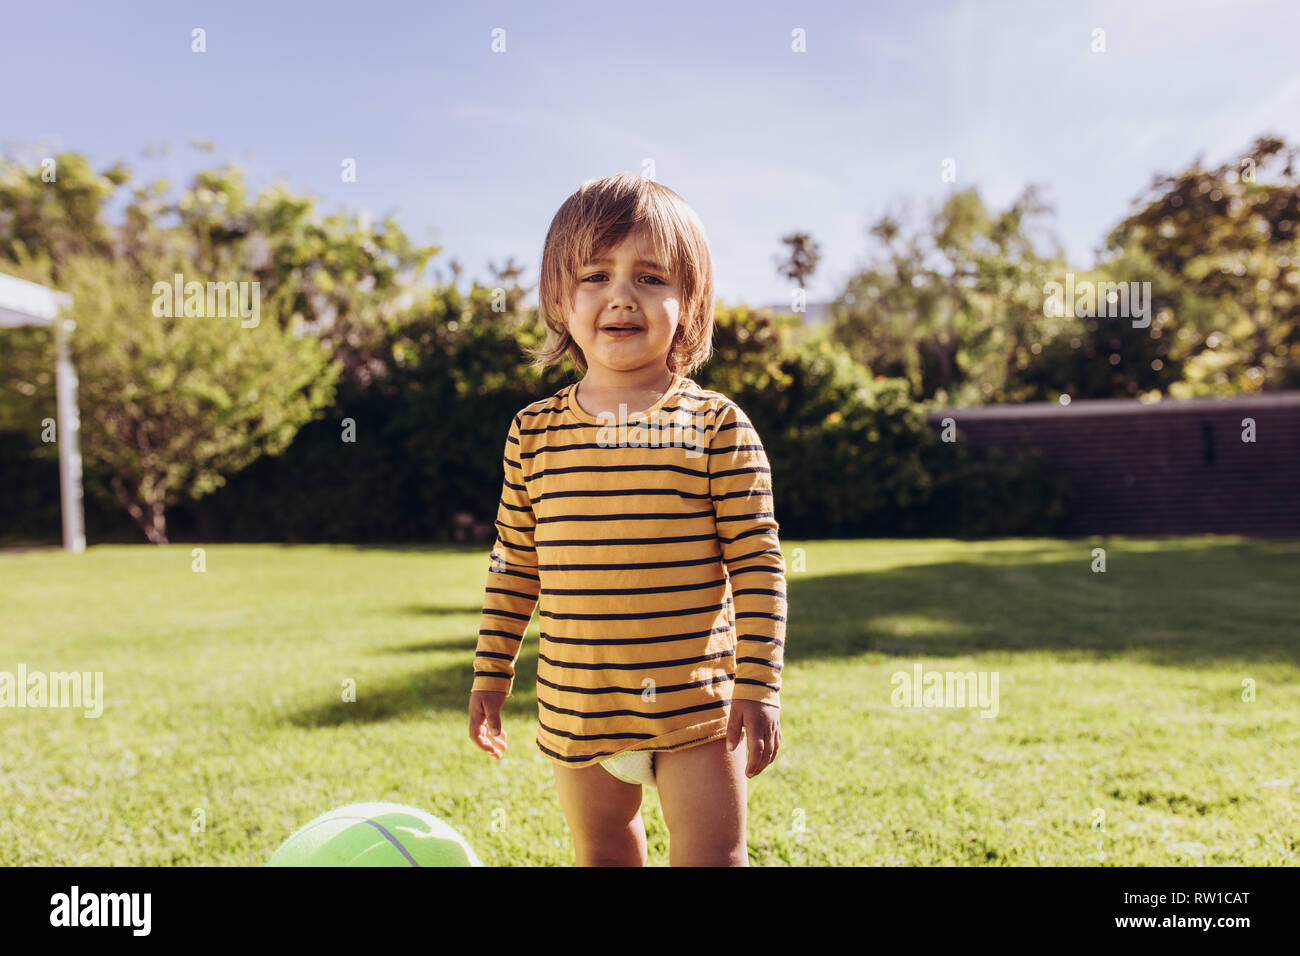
(475, 150)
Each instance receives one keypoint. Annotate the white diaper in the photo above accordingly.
(633, 766)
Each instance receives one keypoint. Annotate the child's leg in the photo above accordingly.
(702, 791)
(604, 816)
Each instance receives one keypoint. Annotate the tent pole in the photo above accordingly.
(70, 492)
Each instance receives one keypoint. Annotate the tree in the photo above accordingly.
(55, 208)
(1230, 243)
(800, 261)
(956, 307)
(1112, 354)
(329, 286)
(172, 405)
(336, 276)
(50, 211)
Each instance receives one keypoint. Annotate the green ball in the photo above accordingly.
(375, 834)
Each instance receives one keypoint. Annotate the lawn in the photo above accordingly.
(1121, 737)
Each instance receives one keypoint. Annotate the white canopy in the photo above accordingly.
(26, 303)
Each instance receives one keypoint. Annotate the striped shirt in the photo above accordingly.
(650, 552)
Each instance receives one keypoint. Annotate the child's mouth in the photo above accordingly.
(620, 332)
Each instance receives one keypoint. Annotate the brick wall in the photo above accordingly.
(1169, 467)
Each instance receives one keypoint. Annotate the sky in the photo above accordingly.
(474, 150)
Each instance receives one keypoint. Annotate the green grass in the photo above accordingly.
(1120, 701)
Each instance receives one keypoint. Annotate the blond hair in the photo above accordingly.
(598, 217)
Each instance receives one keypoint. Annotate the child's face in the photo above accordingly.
(624, 292)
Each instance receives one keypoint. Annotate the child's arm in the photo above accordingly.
(740, 483)
(512, 583)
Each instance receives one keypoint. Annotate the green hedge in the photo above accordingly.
(851, 455)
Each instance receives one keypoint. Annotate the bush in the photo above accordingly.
(853, 455)
(29, 492)
(984, 493)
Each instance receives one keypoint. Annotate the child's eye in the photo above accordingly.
(647, 276)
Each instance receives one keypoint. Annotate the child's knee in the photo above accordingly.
(623, 846)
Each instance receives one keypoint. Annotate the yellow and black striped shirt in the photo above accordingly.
(650, 551)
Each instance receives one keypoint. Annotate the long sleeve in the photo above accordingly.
(512, 581)
(740, 484)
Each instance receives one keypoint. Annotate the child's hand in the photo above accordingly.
(761, 724)
(485, 721)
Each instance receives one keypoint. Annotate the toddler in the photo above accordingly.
(636, 516)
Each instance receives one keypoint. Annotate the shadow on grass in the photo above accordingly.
(435, 610)
(427, 547)
(1195, 606)
(1198, 605)
(468, 643)
(439, 689)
